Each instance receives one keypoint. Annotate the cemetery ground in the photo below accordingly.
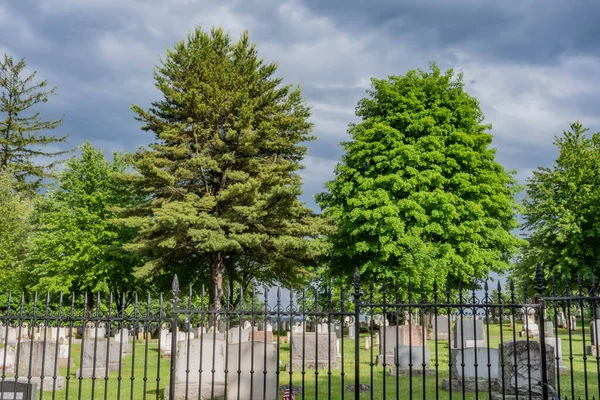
(140, 369)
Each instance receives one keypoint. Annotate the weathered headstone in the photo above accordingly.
(352, 332)
(439, 326)
(522, 361)
(7, 360)
(479, 370)
(468, 333)
(318, 350)
(367, 343)
(261, 336)
(38, 358)
(95, 361)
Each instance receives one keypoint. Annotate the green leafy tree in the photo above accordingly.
(562, 211)
(21, 141)
(222, 177)
(418, 194)
(76, 245)
(15, 211)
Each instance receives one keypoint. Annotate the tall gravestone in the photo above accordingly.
(477, 367)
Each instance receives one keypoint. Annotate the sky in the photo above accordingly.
(532, 64)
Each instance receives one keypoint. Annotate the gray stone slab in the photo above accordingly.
(468, 333)
(95, 360)
(19, 389)
(317, 351)
(478, 363)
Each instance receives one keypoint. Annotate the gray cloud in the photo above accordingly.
(534, 65)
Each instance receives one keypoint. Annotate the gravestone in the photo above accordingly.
(319, 351)
(557, 359)
(594, 348)
(530, 328)
(95, 361)
(11, 335)
(549, 329)
(561, 320)
(368, 343)
(439, 326)
(352, 332)
(92, 332)
(123, 335)
(572, 323)
(261, 336)
(38, 359)
(522, 359)
(411, 360)
(64, 360)
(238, 335)
(486, 371)
(7, 360)
(215, 356)
(19, 389)
(474, 334)
(397, 336)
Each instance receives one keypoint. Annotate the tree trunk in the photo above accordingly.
(216, 280)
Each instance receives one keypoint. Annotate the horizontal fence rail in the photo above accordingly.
(366, 342)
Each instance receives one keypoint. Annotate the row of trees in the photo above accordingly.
(417, 196)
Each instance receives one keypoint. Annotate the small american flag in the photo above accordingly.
(289, 394)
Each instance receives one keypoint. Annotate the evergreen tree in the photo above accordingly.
(21, 141)
(222, 178)
(76, 245)
(562, 212)
(418, 194)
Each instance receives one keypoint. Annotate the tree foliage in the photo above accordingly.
(21, 141)
(562, 211)
(15, 210)
(222, 178)
(76, 245)
(418, 193)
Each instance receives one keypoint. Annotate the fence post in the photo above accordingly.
(174, 321)
(539, 287)
(357, 296)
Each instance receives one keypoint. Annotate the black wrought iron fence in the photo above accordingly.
(366, 342)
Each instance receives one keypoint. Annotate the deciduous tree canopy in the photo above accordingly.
(418, 193)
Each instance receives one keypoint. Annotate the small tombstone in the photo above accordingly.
(530, 328)
(572, 323)
(352, 332)
(549, 329)
(367, 343)
(562, 321)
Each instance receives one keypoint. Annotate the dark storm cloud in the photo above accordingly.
(533, 65)
(536, 31)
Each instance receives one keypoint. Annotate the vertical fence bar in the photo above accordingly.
(174, 318)
(539, 287)
(357, 295)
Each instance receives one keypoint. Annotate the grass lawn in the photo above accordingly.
(138, 377)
